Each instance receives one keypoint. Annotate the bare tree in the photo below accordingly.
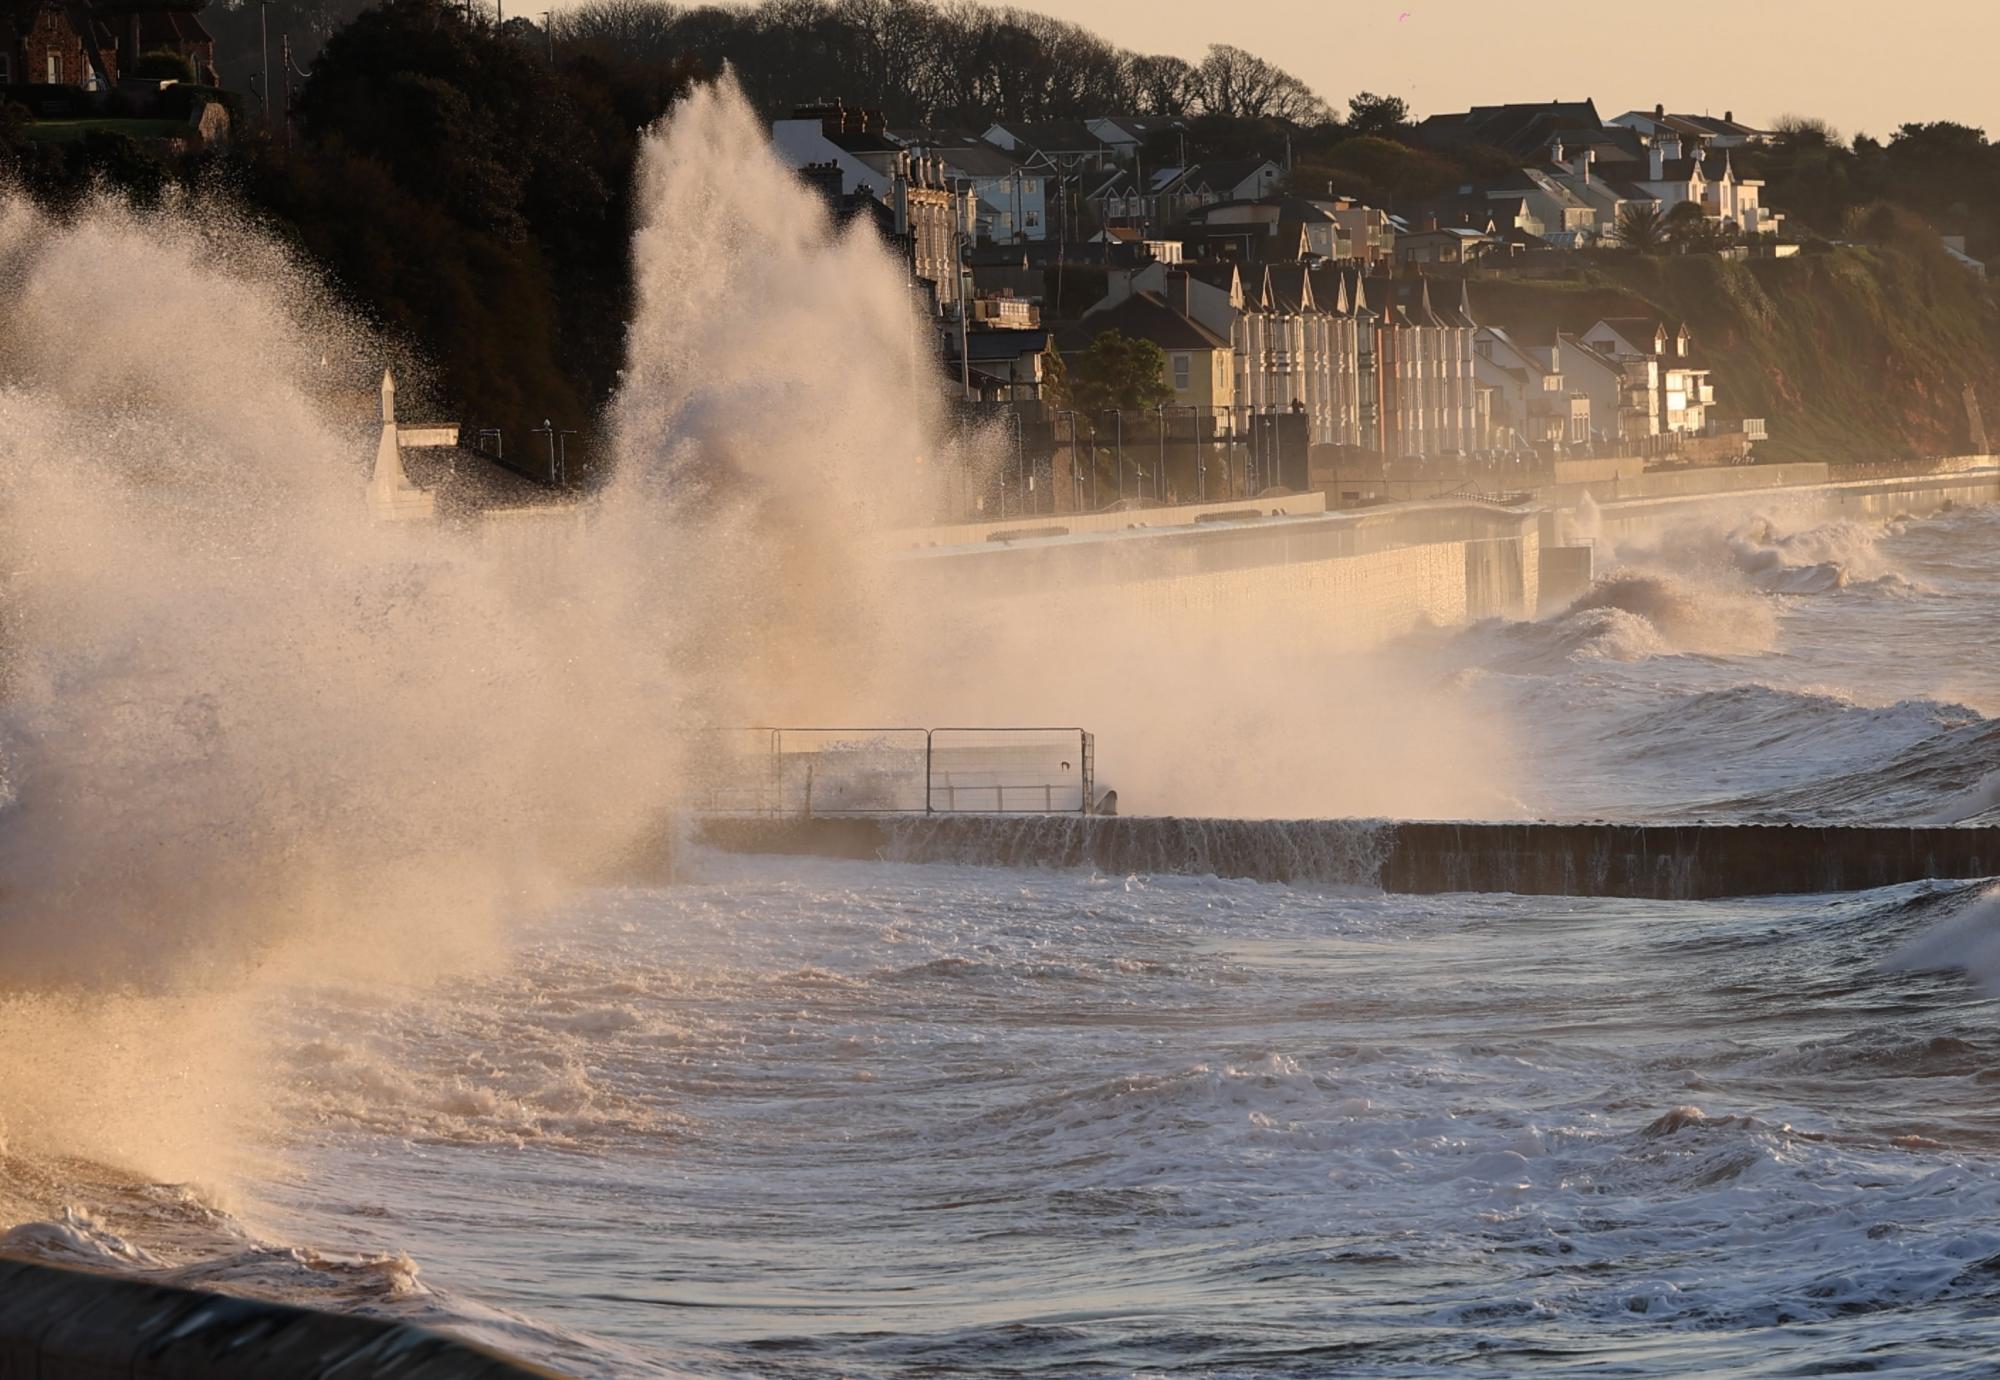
(1161, 84)
(1241, 85)
(1806, 131)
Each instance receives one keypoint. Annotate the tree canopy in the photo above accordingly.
(1118, 372)
(925, 63)
(475, 200)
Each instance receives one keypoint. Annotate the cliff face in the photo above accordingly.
(1853, 355)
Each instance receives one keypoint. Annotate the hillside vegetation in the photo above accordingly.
(1851, 355)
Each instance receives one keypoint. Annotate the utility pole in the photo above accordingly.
(264, 44)
(549, 28)
(285, 113)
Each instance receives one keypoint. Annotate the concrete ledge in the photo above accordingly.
(62, 1324)
(1660, 861)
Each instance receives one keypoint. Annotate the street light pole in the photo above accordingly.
(1200, 459)
(1119, 417)
(1163, 451)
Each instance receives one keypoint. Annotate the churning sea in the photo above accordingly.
(812, 1118)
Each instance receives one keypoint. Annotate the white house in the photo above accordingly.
(1533, 400)
(1709, 181)
(1683, 392)
(1609, 198)
(1623, 392)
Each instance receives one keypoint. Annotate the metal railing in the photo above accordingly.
(768, 770)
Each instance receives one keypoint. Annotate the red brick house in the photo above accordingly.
(86, 43)
(40, 43)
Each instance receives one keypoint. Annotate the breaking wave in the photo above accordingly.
(1816, 560)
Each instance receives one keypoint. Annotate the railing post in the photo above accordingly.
(929, 733)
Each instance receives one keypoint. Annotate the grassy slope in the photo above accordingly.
(1855, 355)
(68, 131)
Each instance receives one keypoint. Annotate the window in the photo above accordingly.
(1181, 373)
(1034, 218)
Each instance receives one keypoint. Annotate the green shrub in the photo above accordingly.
(163, 64)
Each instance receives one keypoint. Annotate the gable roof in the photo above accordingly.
(1333, 289)
(1054, 136)
(1519, 128)
(1229, 172)
(1147, 316)
(1402, 301)
(1288, 288)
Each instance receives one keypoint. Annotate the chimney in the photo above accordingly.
(825, 179)
(1580, 165)
(1177, 293)
(1659, 112)
(1729, 117)
(1430, 222)
(1673, 145)
(1556, 150)
(1656, 161)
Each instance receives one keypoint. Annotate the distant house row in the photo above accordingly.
(1398, 366)
(1266, 302)
(1579, 175)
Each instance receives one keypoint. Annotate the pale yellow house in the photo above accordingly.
(1200, 365)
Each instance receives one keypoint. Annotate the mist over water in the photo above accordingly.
(313, 985)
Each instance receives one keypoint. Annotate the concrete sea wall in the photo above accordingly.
(1359, 578)
(1659, 861)
(1356, 578)
(62, 1324)
(1816, 498)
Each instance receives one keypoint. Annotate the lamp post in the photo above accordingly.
(1075, 470)
(1200, 458)
(558, 451)
(1118, 422)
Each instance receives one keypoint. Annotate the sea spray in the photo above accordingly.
(780, 414)
(1968, 942)
(249, 735)
(780, 408)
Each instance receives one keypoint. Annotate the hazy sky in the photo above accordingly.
(1861, 64)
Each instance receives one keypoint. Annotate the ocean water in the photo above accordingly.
(804, 1118)
(300, 998)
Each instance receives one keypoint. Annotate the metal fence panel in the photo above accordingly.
(850, 771)
(1010, 770)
